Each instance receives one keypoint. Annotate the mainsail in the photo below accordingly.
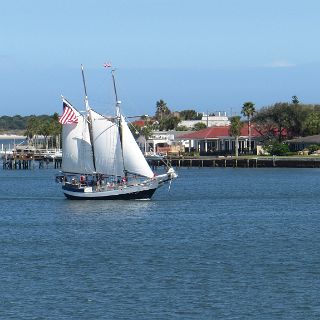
(106, 145)
(76, 146)
(102, 151)
(134, 161)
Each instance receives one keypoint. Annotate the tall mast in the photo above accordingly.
(118, 103)
(88, 116)
(85, 90)
(118, 116)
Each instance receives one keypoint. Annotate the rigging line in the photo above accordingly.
(166, 163)
(133, 127)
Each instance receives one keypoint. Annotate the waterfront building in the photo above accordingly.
(217, 140)
(300, 143)
(164, 142)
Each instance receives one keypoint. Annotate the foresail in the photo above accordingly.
(134, 161)
(76, 146)
(106, 144)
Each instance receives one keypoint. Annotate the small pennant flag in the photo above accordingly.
(107, 65)
(68, 116)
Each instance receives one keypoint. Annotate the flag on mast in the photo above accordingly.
(68, 115)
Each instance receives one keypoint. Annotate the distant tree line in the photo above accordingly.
(46, 126)
(288, 120)
(19, 123)
(279, 122)
(276, 123)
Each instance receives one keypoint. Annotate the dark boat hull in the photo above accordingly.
(138, 195)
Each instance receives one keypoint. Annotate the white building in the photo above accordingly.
(219, 119)
(162, 141)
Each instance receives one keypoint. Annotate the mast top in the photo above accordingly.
(85, 89)
(118, 102)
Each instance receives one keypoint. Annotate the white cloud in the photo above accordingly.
(280, 64)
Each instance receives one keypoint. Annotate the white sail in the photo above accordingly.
(134, 161)
(106, 144)
(76, 146)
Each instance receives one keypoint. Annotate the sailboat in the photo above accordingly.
(101, 159)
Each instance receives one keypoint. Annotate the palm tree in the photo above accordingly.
(33, 128)
(55, 129)
(161, 110)
(44, 130)
(235, 131)
(248, 111)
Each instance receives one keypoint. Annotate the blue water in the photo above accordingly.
(9, 143)
(223, 244)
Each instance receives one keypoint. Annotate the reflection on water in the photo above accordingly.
(222, 244)
(121, 208)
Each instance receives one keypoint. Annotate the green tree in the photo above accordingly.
(162, 110)
(312, 123)
(235, 131)
(276, 148)
(147, 130)
(248, 111)
(33, 129)
(182, 128)
(44, 130)
(313, 147)
(277, 120)
(190, 115)
(295, 100)
(199, 126)
(17, 122)
(43, 125)
(55, 129)
(169, 123)
(299, 114)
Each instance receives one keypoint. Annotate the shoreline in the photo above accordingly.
(11, 136)
(232, 162)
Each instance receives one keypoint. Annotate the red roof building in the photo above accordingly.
(218, 140)
(139, 123)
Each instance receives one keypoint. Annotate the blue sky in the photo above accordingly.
(206, 55)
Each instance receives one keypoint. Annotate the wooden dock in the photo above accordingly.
(241, 162)
(28, 162)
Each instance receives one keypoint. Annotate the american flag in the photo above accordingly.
(107, 65)
(68, 116)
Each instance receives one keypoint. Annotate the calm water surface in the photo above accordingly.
(222, 244)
